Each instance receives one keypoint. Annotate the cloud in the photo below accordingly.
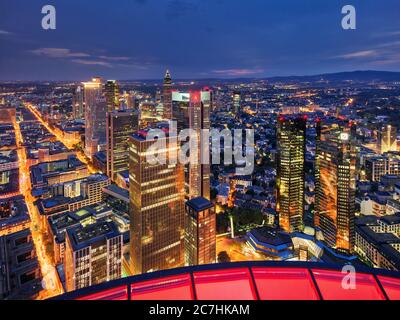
(387, 34)
(58, 53)
(114, 58)
(92, 62)
(238, 72)
(5, 33)
(80, 57)
(359, 54)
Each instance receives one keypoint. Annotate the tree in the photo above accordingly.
(213, 193)
(223, 257)
(250, 192)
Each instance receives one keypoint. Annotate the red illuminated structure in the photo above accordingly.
(260, 280)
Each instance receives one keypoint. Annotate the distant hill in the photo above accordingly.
(362, 76)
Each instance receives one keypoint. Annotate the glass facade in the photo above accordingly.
(291, 137)
(120, 125)
(95, 116)
(156, 208)
(335, 187)
(200, 232)
(111, 91)
(191, 110)
(167, 96)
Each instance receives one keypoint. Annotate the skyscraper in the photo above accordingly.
(200, 231)
(78, 103)
(237, 103)
(156, 206)
(120, 125)
(387, 138)
(95, 117)
(191, 110)
(93, 255)
(291, 137)
(167, 96)
(111, 90)
(335, 186)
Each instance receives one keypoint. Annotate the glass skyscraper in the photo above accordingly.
(291, 137)
(95, 117)
(335, 186)
(191, 110)
(111, 90)
(156, 207)
(167, 96)
(200, 232)
(120, 125)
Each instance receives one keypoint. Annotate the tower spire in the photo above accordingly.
(167, 78)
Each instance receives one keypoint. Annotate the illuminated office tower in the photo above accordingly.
(192, 110)
(335, 180)
(156, 206)
(93, 254)
(120, 125)
(111, 92)
(236, 103)
(387, 138)
(291, 137)
(167, 96)
(78, 103)
(95, 117)
(200, 231)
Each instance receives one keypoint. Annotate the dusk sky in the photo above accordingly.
(139, 39)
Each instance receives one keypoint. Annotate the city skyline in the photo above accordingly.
(251, 40)
(260, 160)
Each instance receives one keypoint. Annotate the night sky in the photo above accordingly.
(139, 39)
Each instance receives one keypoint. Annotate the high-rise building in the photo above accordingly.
(191, 110)
(237, 98)
(111, 92)
(120, 125)
(200, 232)
(167, 96)
(95, 117)
(335, 186)
(78, 103)
(93, 254)
(387, 138)
(291, 139)
(156, 206)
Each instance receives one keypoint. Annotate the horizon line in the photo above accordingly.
(211, 78)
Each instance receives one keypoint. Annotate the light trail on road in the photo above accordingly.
(69, 144)
(49, 273)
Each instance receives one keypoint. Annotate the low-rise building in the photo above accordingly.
(377, 242)
(20, 276)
